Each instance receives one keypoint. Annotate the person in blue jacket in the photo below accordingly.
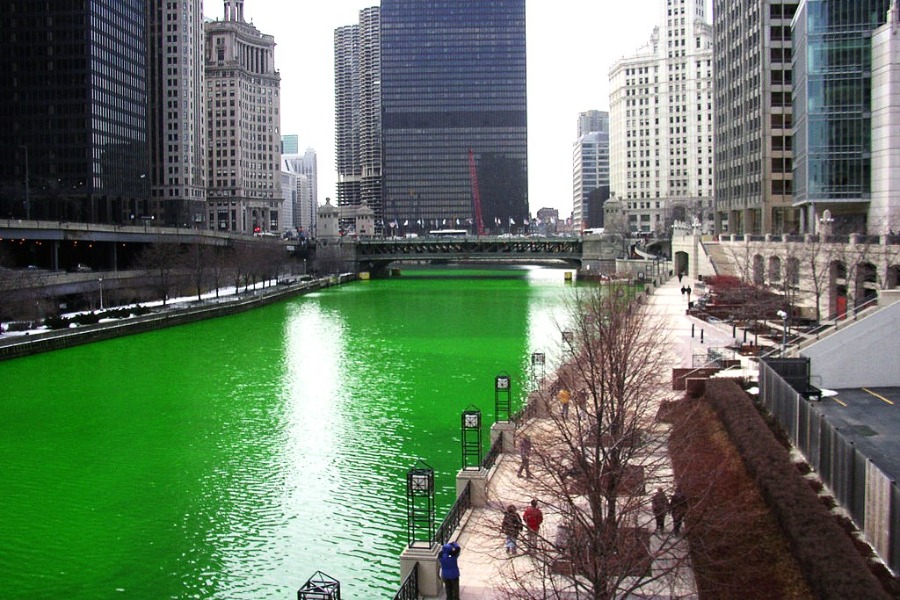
(450, 569)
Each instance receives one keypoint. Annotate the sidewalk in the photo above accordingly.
(484, 564)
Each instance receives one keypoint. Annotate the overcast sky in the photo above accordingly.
(571, 45)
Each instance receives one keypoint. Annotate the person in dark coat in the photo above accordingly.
(660, 505)
(511, 527)
(678, 508)
(525, 456)
(450, 569)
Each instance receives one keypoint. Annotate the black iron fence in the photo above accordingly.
(491, 457)
(453, 518)
(866, 492)
(409, 589)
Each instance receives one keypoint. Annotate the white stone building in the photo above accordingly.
(661, 123)
(244, 121)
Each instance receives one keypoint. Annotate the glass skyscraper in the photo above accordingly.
(453, 92)
(73, 109)
(832, 110)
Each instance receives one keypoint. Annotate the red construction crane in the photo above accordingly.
(476, 196)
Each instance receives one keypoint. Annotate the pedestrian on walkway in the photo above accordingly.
(660, 506)
(450, 569)
(581, 398)
(511, 527)
(678, 508)
(564, 397)
(525, 456)
(533, 518)
(680, 275)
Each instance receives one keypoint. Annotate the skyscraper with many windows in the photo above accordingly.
(453, 93)
(177, 114)
(661, 127)
(832, 66)
(243, 118)
(73, 109)
(357, 104)
(590, 169)
(753, 116)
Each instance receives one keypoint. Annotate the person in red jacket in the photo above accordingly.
(533, 518)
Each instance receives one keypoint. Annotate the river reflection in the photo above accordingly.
(234, 458)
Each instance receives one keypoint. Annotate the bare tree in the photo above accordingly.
(162, 262)
(598, 463)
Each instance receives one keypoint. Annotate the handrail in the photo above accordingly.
(488, 462)
(453, 518)
(409, 589)
(835, 321)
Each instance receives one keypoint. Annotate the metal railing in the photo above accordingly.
(488, 462)
(409, 589)
(453, 518)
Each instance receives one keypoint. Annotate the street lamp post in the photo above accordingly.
(100, 280)
(783, 315)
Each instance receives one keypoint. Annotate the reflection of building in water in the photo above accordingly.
(243, 96)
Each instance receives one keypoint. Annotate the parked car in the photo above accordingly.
(81, 268)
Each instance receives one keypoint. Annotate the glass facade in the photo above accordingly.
(73, 110)
(832, 107)
(453, 81)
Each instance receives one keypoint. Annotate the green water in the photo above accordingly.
(233, 458)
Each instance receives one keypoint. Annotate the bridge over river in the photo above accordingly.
(377, 253)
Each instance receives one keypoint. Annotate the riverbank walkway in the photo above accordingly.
(487, 570)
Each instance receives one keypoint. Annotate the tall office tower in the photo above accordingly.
(290, 144)
(453, 88)
(593, 120)
(832, 65)
(661, 127)
(590, 170)
(177, 115)
(289, 198)
(753, 116)
(884, 209)
(304, 166)
(73, 109)
(243, 122)
(357, 73)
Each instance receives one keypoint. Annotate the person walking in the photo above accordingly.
(660, 506)
(525, 456)
(450, 569)
(533, 518)
(511, 528)
(564, 397)
(678, 508)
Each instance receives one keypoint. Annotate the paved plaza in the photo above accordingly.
(485, 566)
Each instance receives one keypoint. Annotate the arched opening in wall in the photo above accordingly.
(866, 284)
(837, 303)
(759, 274)
(681, 263)
(892, 277)
(792, 271)
(680, 260)
(774, 269)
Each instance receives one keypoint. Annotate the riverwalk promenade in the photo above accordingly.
(488, 572)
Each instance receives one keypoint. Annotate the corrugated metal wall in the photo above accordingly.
(861, 488)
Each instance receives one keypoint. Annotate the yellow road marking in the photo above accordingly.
(879, 396)
(836, 399)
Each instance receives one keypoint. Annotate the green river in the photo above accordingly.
(235, 457)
